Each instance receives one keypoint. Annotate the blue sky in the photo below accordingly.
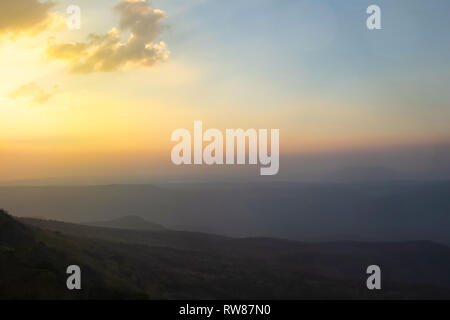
(310, 68)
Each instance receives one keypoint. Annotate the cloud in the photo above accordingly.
(107, 53)
(33, 92)
(26, 17)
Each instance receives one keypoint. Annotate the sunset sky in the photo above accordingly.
(104, 99)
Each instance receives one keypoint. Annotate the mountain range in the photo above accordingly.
(364, 211)
(122, 263)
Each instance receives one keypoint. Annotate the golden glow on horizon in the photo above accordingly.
(97, 119)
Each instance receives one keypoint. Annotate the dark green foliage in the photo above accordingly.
(33, 265)
(134, 264)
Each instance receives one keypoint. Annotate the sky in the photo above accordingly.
(102, 101)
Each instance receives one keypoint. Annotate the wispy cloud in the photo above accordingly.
(33, 92)
(107, 53)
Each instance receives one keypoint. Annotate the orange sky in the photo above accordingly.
(101, 107)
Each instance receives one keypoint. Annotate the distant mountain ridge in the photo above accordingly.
(128, 222)
(190, 265)
(378, 211)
